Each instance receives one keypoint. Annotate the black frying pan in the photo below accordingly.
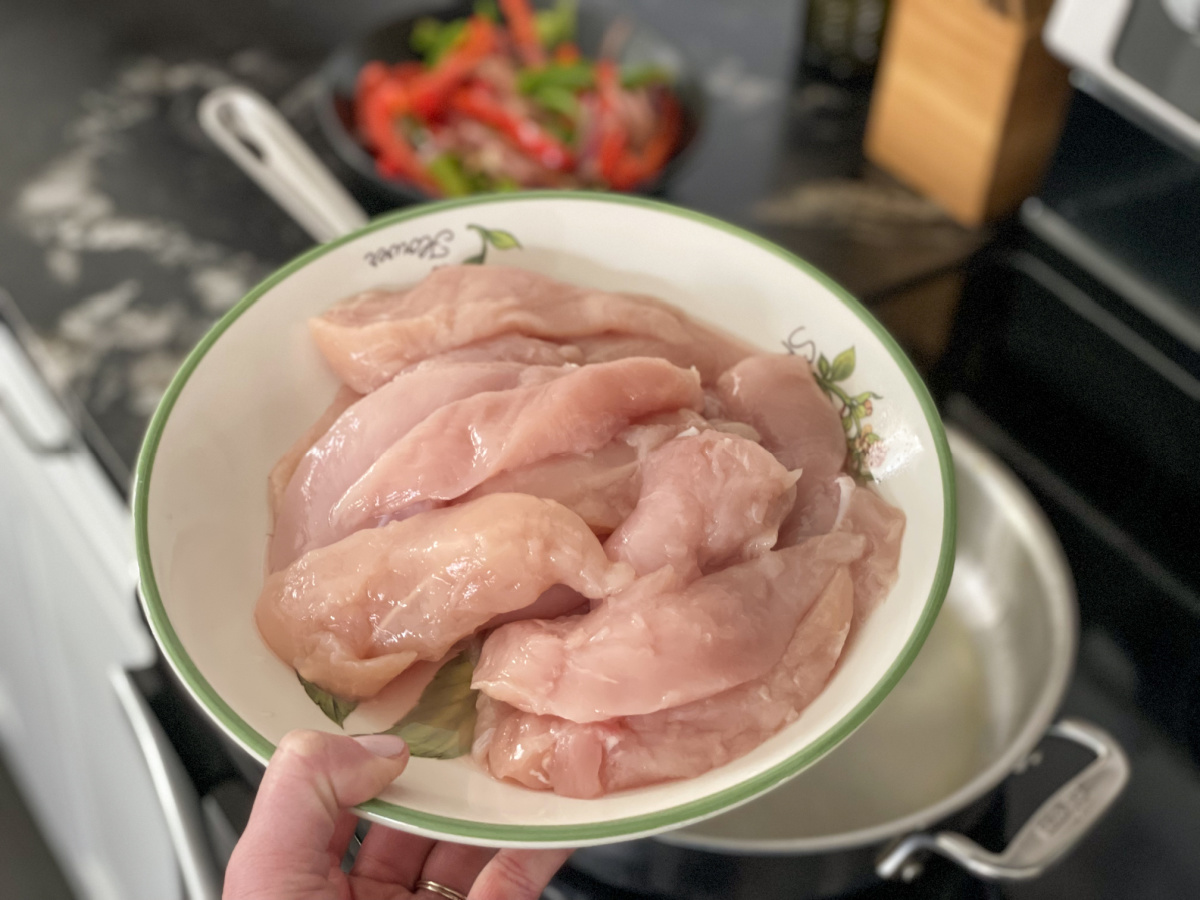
(389, 42)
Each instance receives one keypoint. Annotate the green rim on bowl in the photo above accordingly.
(261, 748)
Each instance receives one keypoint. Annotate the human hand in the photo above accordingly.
(300, 827)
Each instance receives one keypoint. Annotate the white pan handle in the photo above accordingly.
(256, 137)
(1051, 832)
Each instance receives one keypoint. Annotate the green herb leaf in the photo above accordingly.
(643, 75)
(442, 724)
(447, 171)
(843, 365)
(487, 10)
(432, 38)
(576, 76)
(823, 366)
(335, 707)
(557, 24)
(425, 33)
(556, 99)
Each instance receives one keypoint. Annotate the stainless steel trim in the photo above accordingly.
(65, 440)
(1087, 308)
(1051, 832)
(1085, 253)
(176, 794)
(32, 442)
(90, 435)
(958, 408)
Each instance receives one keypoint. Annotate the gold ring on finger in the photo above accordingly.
(440, 889)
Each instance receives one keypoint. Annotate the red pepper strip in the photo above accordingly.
(408, 71)
(523, 28)
(635, 169)
(476, 102)
(395, 157)
(565, 54)
(370, 76)
(432, 90)
(614, 137)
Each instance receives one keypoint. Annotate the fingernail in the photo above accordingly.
(386, 745)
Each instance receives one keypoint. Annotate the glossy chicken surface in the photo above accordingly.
(369, 338)
(588, 760)
(648, 526)
(352, 615)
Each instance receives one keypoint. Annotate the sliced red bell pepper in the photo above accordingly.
(614, 137)
(370, 77)
(566, 53)
(378, 111)
(406, 72)
(523, 28)
(476, 102)
(433, 88)
(636, 169)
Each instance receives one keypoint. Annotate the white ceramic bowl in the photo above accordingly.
(256, 382)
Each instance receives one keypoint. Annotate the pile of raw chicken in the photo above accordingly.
(647, 521)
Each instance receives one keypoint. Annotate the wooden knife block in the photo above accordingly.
(967, 104)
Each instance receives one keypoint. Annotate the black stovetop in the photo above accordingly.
(118, 249)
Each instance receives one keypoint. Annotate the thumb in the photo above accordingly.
(312, 779)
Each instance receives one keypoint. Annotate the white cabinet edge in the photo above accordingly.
(79, 490)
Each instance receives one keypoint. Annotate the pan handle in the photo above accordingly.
(256, 137)
(1051, 832)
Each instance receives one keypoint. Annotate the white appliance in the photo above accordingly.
(1140, 56)
(103, 784)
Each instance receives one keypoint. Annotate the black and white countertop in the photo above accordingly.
(124, 233)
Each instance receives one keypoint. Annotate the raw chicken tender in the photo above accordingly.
(514, 348)
(882, 525)
(351, 616)
(370, 337)
(707, 500)
(780, 398)
(365, 430)
(461, 445)
(709, 353)
(281, 473)
(587, 760)
(658, 643)
(557, 600)
(508, 420)
(602, 485)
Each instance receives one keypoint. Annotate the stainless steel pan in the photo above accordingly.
(976, 703)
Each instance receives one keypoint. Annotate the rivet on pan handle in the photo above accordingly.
(1051, 832)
